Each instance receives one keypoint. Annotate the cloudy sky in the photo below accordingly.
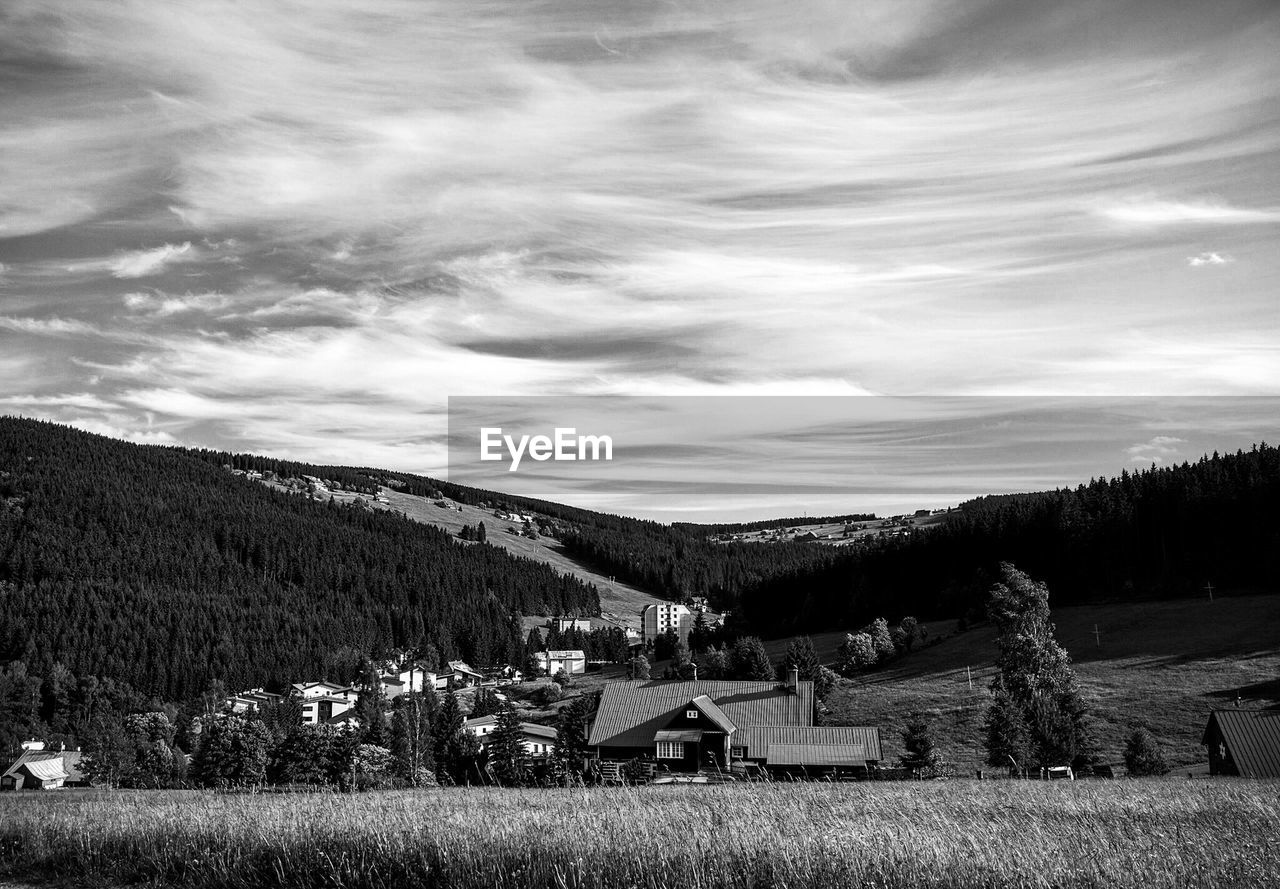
(297, 228)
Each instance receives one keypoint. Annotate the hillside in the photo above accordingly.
(155, 567)
(620, 603)
(1159, 664)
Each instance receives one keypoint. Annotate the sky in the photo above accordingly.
(298, 228)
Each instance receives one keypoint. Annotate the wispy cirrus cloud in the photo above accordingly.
(374, 204)
(1157, 212)
(143, 263)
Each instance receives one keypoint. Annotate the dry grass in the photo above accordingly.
(1160, 664)
(954, 834)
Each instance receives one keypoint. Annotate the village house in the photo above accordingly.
(565, 624)
(572, 662)
(39, 769)
(723, 725)
(322, 701)
(410, 678)
(255, 699)
(1243, 742)
(538, 740)
(461, 674)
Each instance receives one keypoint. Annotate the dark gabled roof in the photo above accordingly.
(817, 755)
(761, 739)
(1252, 738)
(632, 712)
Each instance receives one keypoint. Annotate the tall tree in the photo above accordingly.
(371, 705)
(412, 742)
(454, 747)
(506, 749)
(1034, 675)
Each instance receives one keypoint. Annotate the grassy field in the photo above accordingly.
(941, 834)
(1161, 664)
(619, 601)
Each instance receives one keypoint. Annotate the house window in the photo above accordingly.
(670, 750)
(738, 752)
(691, 714)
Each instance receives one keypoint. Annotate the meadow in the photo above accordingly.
(1163, 665)
(1218, 833)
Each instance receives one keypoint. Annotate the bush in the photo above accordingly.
(546, 695)
(1142, 754)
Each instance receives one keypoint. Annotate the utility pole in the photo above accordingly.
(969, 673)
(1097, 637)
(1209, 586)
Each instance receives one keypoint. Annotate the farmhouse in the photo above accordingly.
(40, 769)
(714, 724)
(539, 740)
(572, 662)
(1244, 743)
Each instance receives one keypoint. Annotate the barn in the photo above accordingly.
(1244, 742)
(40, 769)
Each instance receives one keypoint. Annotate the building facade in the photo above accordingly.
(657, 619)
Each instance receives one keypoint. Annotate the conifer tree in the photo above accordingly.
(1142, 754)
(506, 748)
(371, 705)
(751, 660)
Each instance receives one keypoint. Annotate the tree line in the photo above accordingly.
(157, 568)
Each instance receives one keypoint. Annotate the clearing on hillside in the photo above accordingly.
(620, 603)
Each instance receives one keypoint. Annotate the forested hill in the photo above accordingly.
(157, 567)
(1164, 532)
(672, 561)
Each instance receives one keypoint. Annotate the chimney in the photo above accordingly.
(793, 678)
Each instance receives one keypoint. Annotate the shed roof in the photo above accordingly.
(46, 769)
(59, 758)
(566, 654)
(817, 755)
(631, 712)
(761, 739)
(1253, 739)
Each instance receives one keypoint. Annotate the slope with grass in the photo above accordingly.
(1164, 665)
(619, 602)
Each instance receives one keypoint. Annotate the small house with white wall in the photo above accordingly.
(538, 740)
